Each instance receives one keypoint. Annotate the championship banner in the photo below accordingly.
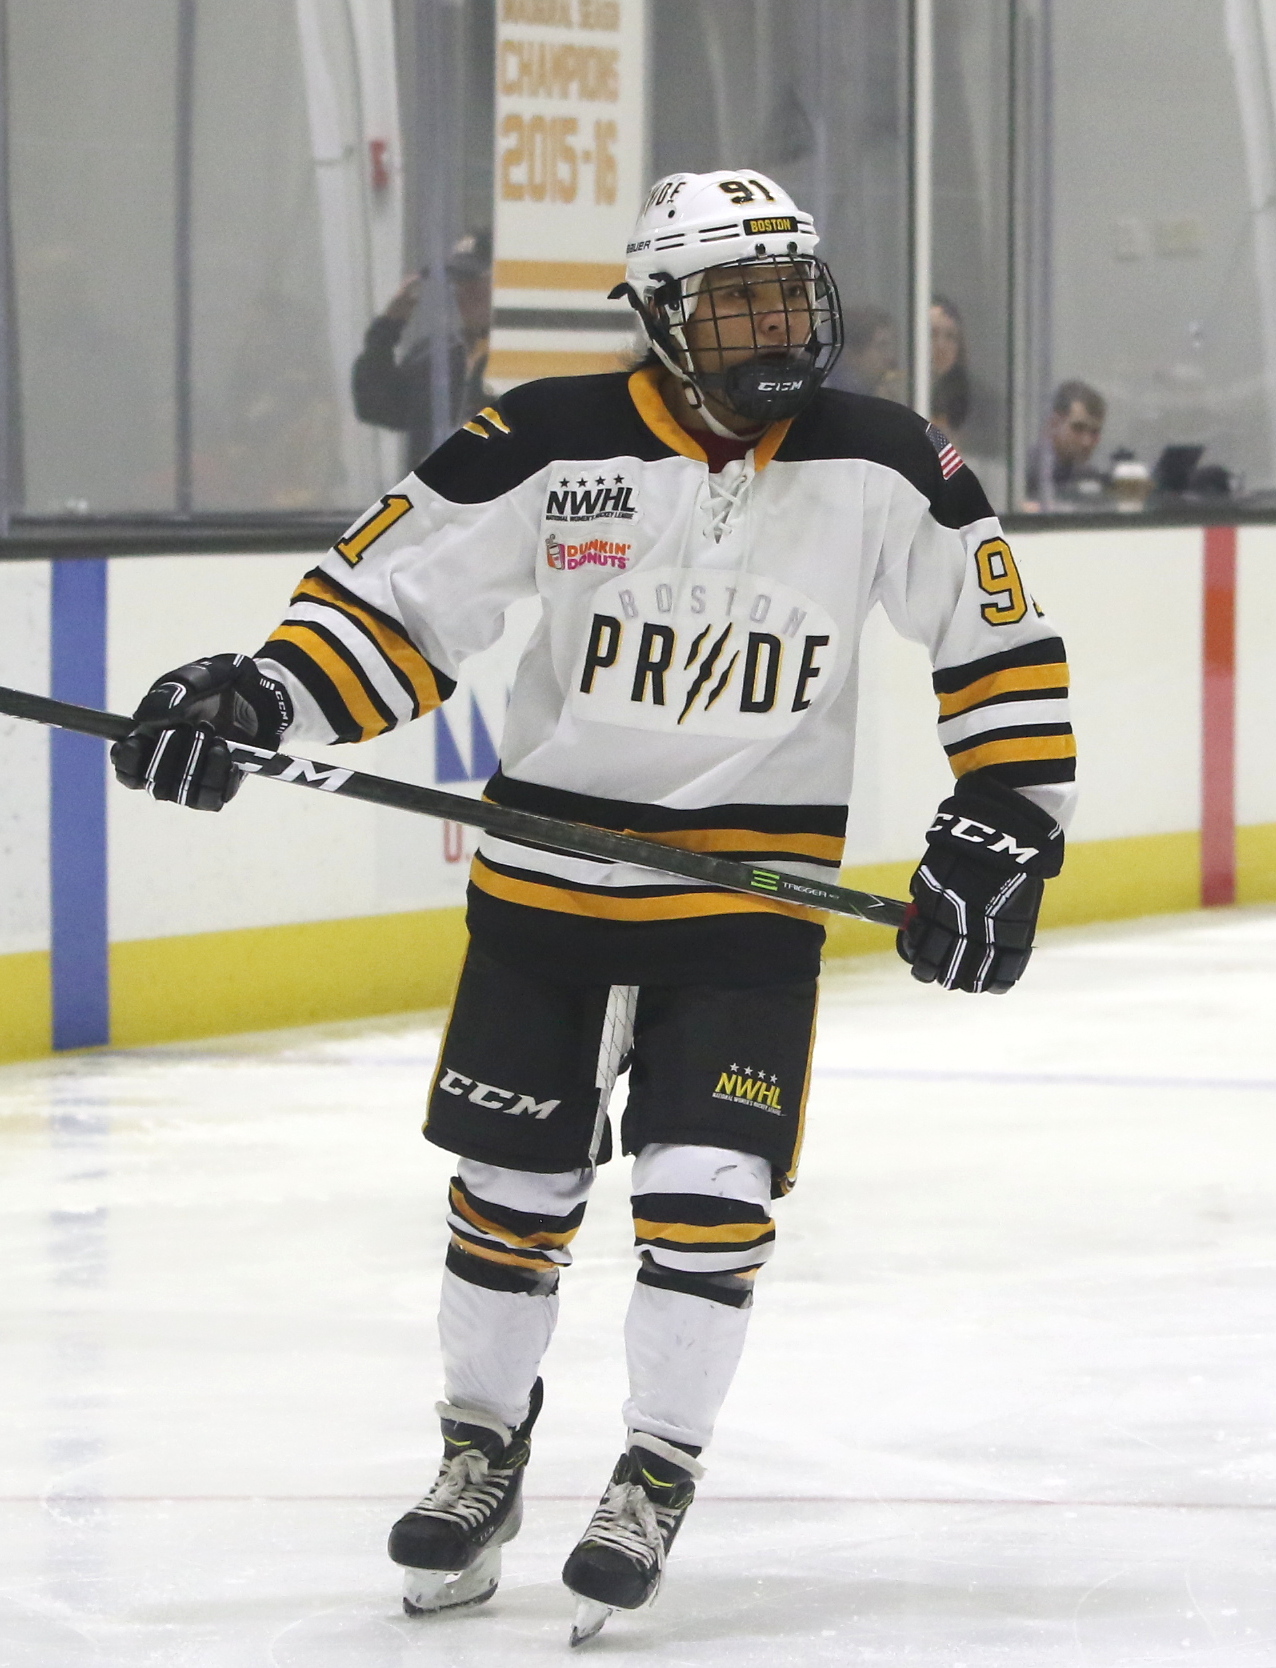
(571, 164)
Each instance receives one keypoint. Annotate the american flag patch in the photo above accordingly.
(950, 459)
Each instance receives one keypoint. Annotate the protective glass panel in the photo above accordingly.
(814, 93)
(296, 232)
(426, 367)
(206, 210)
(91, 134)
(970, 337)
(1159, 270)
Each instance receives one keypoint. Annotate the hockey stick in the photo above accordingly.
(578, 839)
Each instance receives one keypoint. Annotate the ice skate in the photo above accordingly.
(619, 1561)
(450, 1544)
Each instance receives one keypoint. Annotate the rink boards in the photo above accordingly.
(128, 922)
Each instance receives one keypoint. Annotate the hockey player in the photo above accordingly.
(706, 535)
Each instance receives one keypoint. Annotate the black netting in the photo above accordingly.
(757, 335)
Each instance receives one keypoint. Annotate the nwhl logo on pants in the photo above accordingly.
(725, 654)
(749, 1088)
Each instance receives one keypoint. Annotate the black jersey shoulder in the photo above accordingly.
(582, 418)
(837, 424)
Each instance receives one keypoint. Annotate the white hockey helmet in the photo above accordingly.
(694, 223)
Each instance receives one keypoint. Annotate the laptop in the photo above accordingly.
(1175, 468)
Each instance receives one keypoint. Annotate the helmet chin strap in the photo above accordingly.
(721, 428)
(693, 395)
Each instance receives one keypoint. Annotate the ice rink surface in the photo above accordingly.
(1009, 1398)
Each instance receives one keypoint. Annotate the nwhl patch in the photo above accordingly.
(584, 495)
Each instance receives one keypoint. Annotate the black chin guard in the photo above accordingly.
(766, 390)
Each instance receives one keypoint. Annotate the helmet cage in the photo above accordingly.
(763, 380)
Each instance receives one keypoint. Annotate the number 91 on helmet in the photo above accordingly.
(722, 271)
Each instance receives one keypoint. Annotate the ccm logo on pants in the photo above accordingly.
(493, 1099)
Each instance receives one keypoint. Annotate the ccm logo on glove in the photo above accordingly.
(177, 748)
(981, 834)
(976, 893)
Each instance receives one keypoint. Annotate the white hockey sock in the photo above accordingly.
(492, 1339)
(703, 1227)
(492, 1346)
(682, 1352)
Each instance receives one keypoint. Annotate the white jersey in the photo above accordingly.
(693, 674)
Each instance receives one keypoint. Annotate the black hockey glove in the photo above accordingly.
(176, 749)
(977, 891)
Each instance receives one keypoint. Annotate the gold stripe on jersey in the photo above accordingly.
(770, 443)
(726, 1234)
(788, 1181)
(347, 685)
(607, 906)
(1008, 682)
(483, 422)
(543, 1240)
(1011, 750)
(644, 390)
(510, 1259)
(439, 1067)
(757, 844)
(394, 647)
(822, 848)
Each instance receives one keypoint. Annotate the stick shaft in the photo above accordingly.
(551, 833)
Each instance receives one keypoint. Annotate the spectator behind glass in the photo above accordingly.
(870, 359)
(949, 374)
(1077, 414)
(966, 408)
(395, 393)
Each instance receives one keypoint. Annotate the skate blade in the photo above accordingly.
(589, 1619)
(426, 1592)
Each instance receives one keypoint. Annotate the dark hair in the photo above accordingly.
(1068, 394)
(950, 393)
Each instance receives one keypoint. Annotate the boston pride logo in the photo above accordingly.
(591, 497)
(705, 652)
